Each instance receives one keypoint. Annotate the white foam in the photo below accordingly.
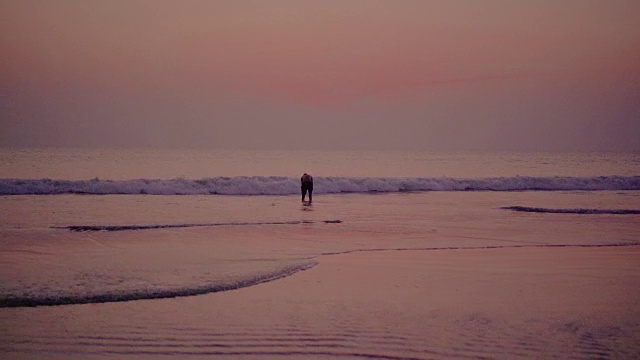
(272, 185)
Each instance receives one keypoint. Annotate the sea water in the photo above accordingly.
(98, 226)
(110, 225)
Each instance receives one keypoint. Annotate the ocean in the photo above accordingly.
(100, 227)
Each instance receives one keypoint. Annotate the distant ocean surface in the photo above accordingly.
(146, 224)
(127, 164)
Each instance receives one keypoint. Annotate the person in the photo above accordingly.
(306, 182)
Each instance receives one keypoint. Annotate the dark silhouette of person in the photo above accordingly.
(306, 182)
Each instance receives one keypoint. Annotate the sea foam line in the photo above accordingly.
(573, 211)
(277, 185)
(168, 226)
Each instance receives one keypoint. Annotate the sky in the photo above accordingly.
(450, 75)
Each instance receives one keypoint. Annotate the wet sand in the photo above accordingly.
(561, 302)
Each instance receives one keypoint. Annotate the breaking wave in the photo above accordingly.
(276, 185)
(572, 211)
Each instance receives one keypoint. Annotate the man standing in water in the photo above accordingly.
(307, 185)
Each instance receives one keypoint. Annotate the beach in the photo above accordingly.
(371, 179)
(568, 302)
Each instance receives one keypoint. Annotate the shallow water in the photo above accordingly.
(168, 246)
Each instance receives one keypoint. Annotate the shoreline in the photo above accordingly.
(267, 277)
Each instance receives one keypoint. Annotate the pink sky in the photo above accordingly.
(435, 75)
